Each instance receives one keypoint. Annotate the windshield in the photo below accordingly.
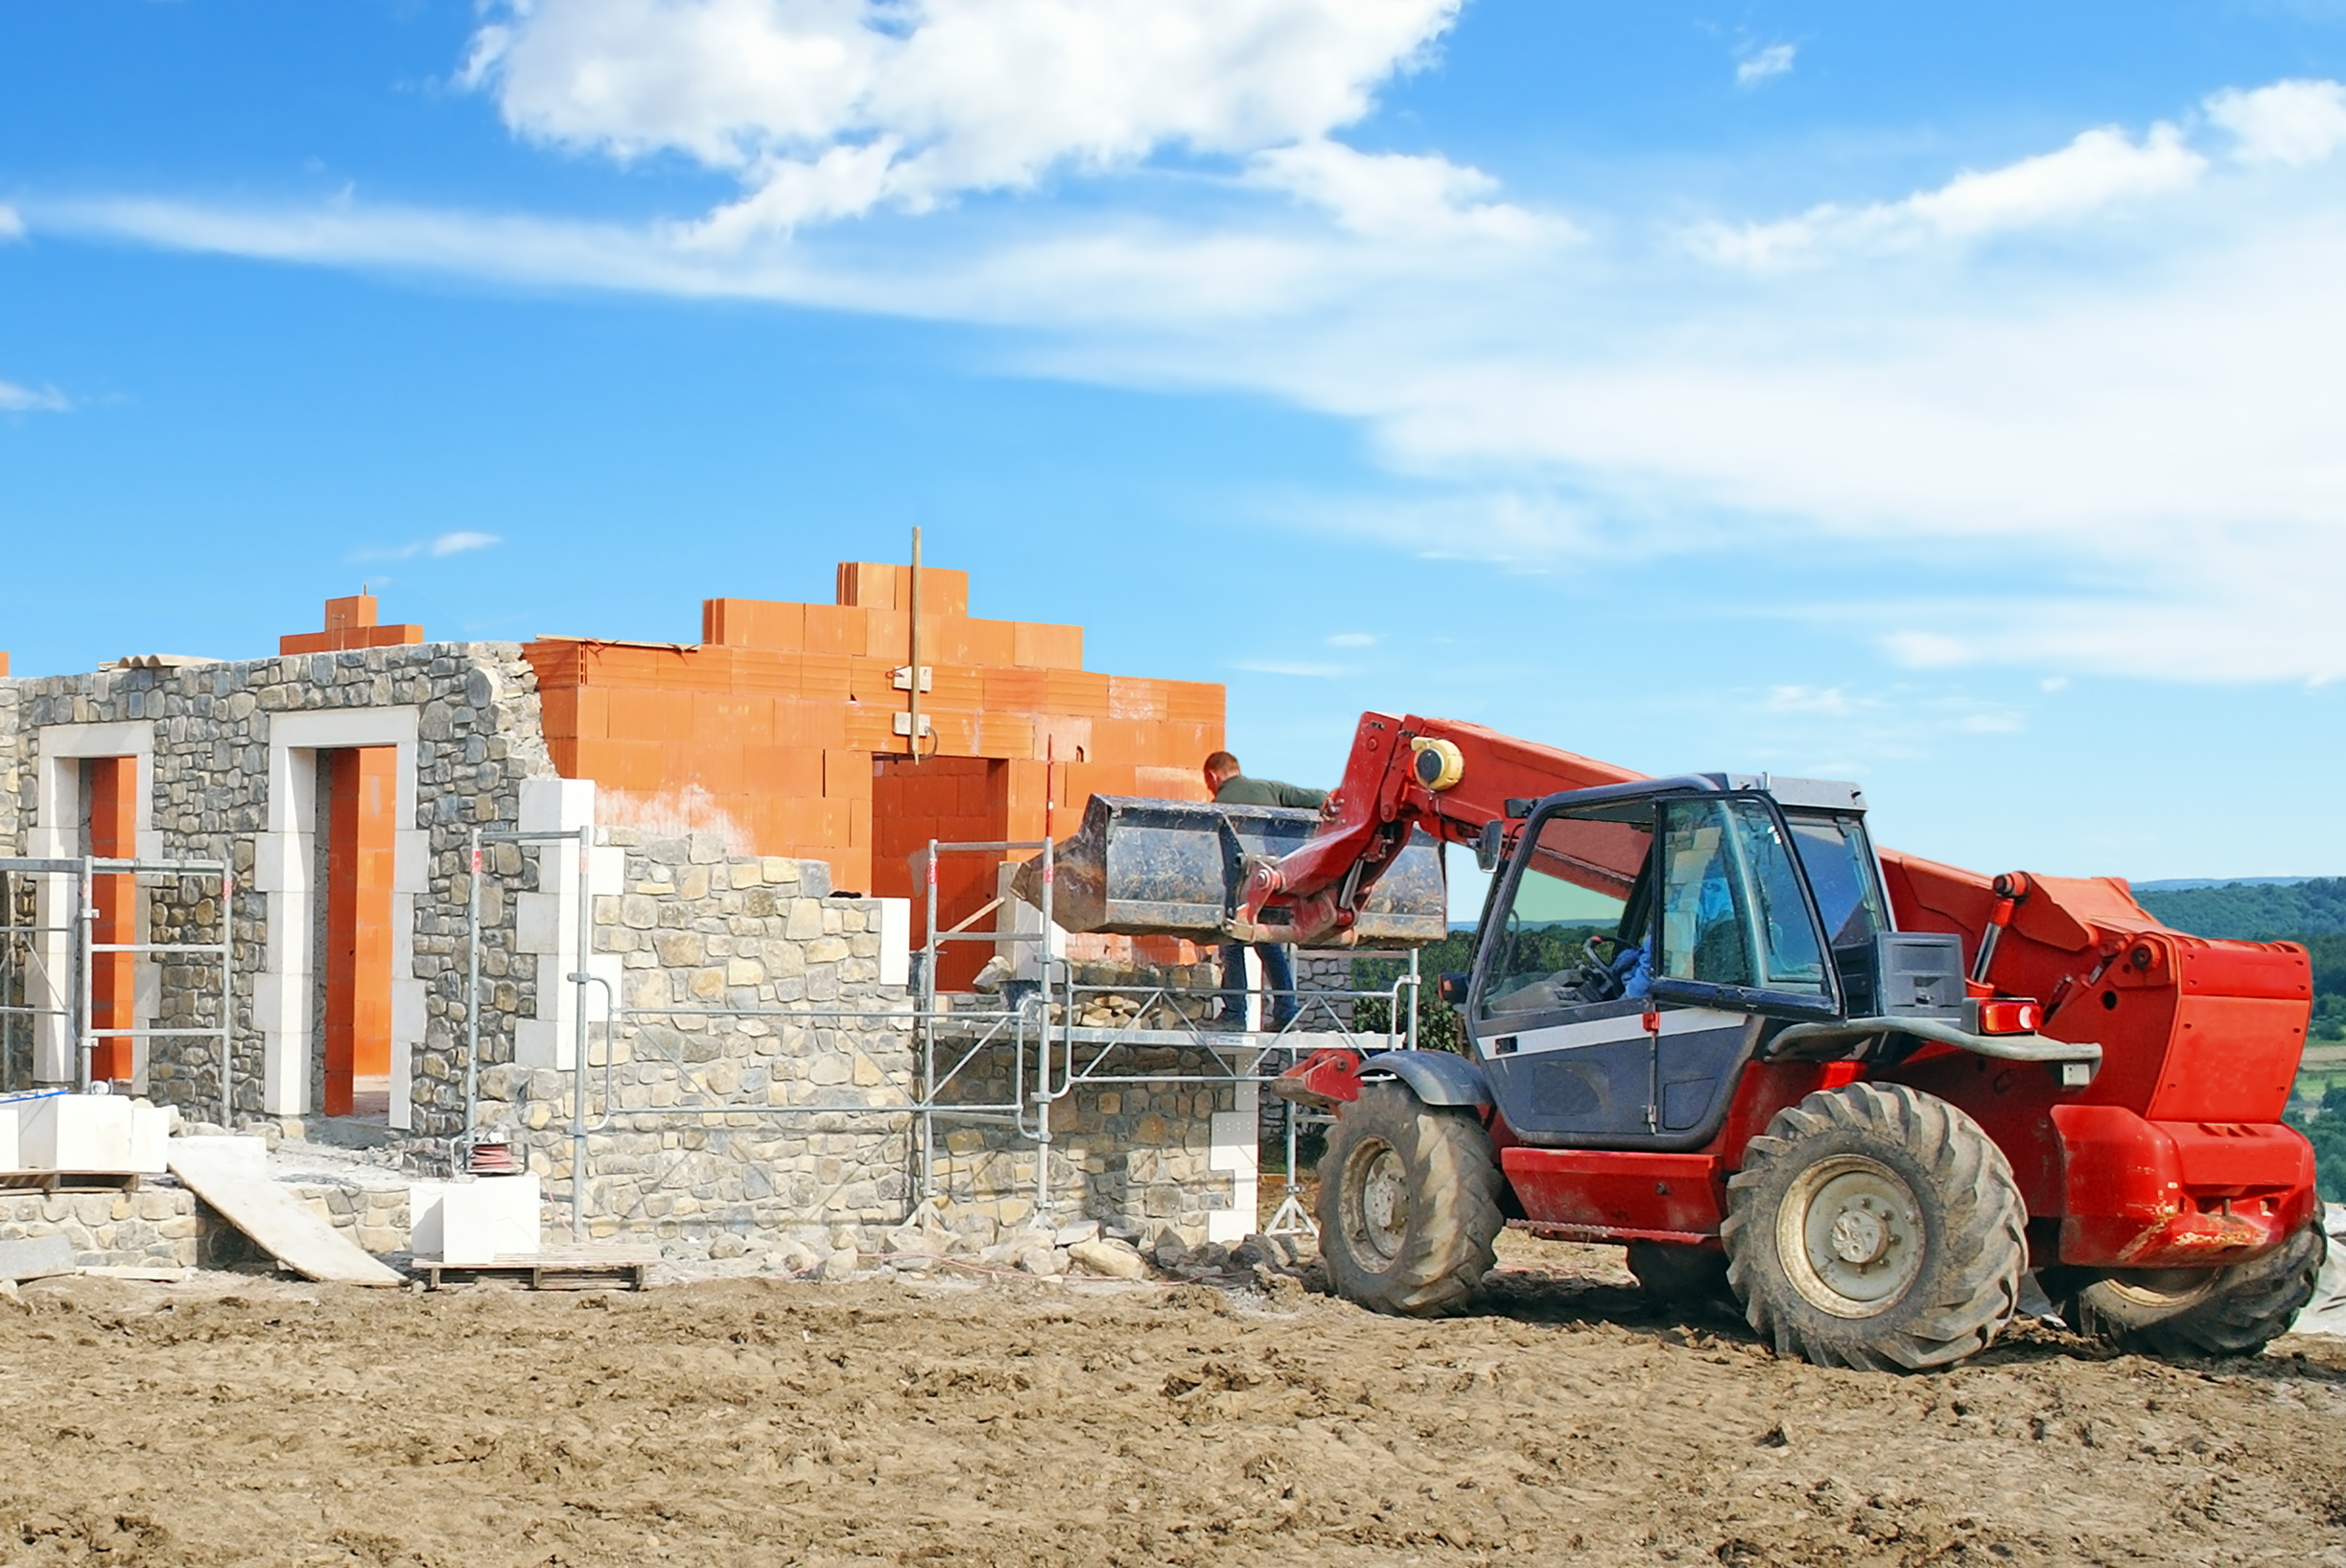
(1839, 860)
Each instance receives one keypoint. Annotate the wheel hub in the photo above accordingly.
(1376, 1211)
(1850, 1235)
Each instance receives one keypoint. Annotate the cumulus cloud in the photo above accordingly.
(1772, 61)
(831, 109)
(2099, 168)
(16, 399)
(2292, 123)
(1397, 196)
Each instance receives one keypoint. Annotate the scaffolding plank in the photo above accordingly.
(272, 1216)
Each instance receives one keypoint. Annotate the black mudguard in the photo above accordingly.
(1434, 1077)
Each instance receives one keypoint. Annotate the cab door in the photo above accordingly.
(1631, 957)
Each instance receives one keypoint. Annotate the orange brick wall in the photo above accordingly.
(362, 783)
(113, 835)
(782, 710)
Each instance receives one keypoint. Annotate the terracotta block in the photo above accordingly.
(1012, 691)
(869, 584)
(945, 640)
(732, 719)
(1172, 783)
(304, 643)
(823, 677)
(871, 729)
(1005, 735)
(833, 628)
(754, 623)
(1136, 696)
(1119, 740)
(384, 637)
(883, 586)
(961, 688)
(650, 713)
(343, 614)
(847, 775)
(1076, 692)
(564, 750)
(763, 673)
(991, 643)
(888, 635)
(558, 711)
(1038, 645)
(591, 712)
(780, 770)
(1195, 702)
(859, 837)
(873, 680)
(1059, 738)
(955, 733)
(632, 765)
(819, 725)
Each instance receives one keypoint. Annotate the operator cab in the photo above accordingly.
(1644, 940)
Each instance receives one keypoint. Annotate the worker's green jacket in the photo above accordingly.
(1245, 791)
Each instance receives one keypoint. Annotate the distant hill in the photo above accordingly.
(2258, 911)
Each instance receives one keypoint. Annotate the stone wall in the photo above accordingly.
(154, 1227)
(713, 1111)
(204, 732)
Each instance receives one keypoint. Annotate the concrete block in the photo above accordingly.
(410, 859)
(76, 1132)
(411, 1001)
(35, 1257)
(540, 1042)
(551, 806)
(149, 1139)
(485, 1219)
(895, 941)
(12, 1127)
(542, 923)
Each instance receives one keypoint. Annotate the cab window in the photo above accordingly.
(1733, 910)
(1569, 889)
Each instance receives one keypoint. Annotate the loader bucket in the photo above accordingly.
(1174, 868)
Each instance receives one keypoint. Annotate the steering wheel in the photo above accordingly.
(1596, 981)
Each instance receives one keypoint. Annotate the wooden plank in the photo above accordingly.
(272, 1216)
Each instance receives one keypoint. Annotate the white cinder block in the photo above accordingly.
(149, 1139)
(410, 859)
(554, 806)
(895, 941)
(78, 1132)
(488, 1218)
(541, 1042)
(538, 923)
(408, 1008)
(12, 1125)
(424, 1237)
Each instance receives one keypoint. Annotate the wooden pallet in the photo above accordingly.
(70, 1181)
(545, 1271)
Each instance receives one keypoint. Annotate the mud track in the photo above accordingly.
(986, 1422)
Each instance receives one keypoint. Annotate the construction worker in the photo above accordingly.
(1228, 786)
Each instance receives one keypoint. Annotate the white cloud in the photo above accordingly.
(446, 544)
(1284, 667)
(1352, 639)
(1772, 61)
(829, 108)
(1397, 196)
(2292, 123)
(16, 399)
(2099, 168)
(12, 224)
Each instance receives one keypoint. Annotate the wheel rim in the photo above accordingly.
(1375, 1201)
(1850, 1236)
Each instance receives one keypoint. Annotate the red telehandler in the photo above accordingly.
(1864, 1092)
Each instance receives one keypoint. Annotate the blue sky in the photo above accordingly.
(1947, 397)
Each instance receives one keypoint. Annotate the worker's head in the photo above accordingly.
(1220, 768)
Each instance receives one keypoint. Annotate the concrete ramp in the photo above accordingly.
(231, 1174)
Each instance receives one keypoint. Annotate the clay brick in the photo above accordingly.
(833, 628)
(558, 711)
(819, 725)
(1060, 739)
(847, 775)
(590, 713)
(873, 680)
(1005, 735)
(754, 623)
(991, 643)
(564, 750)
(888, 635)
(650, 713)
(1172, 783)
(732, 719)
(823, 677)
(1013, 690)
(715, 767)
(1076, 691)
(763, 672)
(304, 643)
(871, 728)
(1136, 696)
(629, 764)
(868, 584)
(1038, 645)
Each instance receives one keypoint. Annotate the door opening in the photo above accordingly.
(356, 794)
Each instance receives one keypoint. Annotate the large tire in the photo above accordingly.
(1679, 1275)
(2199, 1312)
(1875, 1227)
(1409, 1204)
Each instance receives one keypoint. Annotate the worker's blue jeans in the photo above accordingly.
(1277, 972)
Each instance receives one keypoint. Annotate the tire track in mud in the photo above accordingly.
(754, 1421)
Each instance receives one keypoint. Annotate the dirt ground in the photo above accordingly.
(989, 1421)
